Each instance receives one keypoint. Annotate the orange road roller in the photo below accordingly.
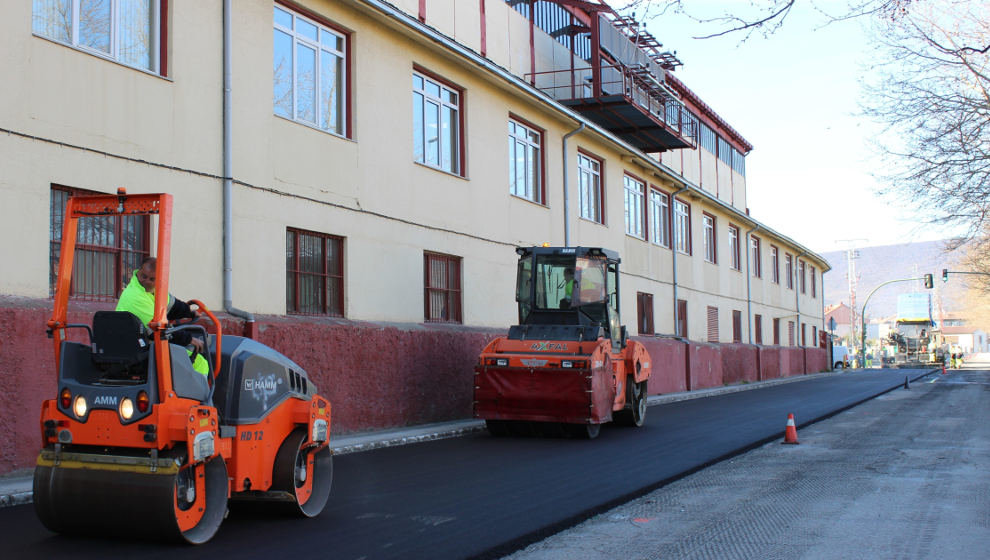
(139, 444)
(568, 366)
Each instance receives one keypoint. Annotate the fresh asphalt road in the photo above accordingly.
(484, 496)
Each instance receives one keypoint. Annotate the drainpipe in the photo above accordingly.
(673, 268)
(797, 306)
(228, 180)
(749, 276)
(567, 198)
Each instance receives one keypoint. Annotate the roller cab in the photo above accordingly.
(568, 366)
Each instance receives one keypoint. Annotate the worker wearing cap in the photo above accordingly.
(138, 297)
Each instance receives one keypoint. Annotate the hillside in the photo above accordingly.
(876, 265)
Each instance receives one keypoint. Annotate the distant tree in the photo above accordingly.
(931, 92)
(763, 17)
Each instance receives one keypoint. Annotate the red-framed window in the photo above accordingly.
(790, 333)
(711, 250)
(802, 277)
(133, 33)
(734, 259)
(635, 206)
(789, 270)
(644, 313)
(774, 264)
(311, 69)
(814, 281)
(758, 329)
(314, 273)
(591, 189)
(681, 328)
(526, 160)
(659, 217)
(776, 332)
(682, 226)
(438, 122)
(108, 249)
(442, 282)
(755, 256)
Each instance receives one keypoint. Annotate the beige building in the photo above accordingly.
(384, 158)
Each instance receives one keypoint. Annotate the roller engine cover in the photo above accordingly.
(255, 379)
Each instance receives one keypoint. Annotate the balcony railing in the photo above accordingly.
(632, 103)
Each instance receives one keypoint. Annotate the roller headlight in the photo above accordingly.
(126, 408)
(320, 430)
(79, 406)
(202, 446)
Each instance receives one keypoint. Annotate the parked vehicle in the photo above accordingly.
(840, 357)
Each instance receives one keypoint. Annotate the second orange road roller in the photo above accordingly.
(568, 366)
(137, 443)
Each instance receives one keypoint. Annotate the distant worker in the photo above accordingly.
(956, 356)
(138, 297)
(869, 359)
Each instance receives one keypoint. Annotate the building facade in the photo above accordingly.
(382, 161)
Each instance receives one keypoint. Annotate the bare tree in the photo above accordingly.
(931, 92)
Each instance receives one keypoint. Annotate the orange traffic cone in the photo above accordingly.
(790, 433)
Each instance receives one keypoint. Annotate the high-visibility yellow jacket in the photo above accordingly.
(141, 303)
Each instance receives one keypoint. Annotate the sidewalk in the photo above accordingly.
(15, 487)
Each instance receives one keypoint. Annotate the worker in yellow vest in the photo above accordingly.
(138, 297)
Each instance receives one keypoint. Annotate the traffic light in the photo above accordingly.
(929, 283)
(945, 274)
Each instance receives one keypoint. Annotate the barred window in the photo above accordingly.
(442, 281)
(314, 273)
(108, 249)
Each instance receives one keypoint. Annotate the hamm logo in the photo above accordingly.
(546, 346)
(105, 400)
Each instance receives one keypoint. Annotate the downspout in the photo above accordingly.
(567, 198)
(749, 296)
(797, 306)
(673, 253)
(228, 181)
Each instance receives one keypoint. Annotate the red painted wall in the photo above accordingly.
(375, 375)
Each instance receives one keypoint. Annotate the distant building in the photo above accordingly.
(843, 319)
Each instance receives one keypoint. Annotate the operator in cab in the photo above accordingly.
(138, 297)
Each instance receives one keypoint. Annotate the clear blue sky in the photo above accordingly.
(795, 97)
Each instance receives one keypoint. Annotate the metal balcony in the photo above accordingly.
(631, 103)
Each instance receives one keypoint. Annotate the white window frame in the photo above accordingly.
(322, 50)
(634, 199)
(711, 252)
(442, 102)
(660, 218)
(789, 268)
(682, 227)
(114, 34)
(734, 248)
(529, 141)
(590, 188)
